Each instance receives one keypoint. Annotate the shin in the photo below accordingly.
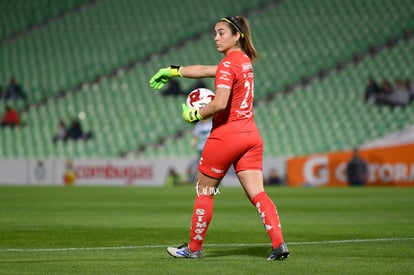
(270, 217)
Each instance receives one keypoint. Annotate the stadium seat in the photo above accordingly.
(295, 39)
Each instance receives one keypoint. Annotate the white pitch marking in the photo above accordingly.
(206, 245)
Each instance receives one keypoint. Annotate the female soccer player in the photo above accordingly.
(234, 139)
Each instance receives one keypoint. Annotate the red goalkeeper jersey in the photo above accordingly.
(235, 73)
(234, 139)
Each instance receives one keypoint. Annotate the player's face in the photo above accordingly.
(224, 39)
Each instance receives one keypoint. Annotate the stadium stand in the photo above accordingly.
(21, 16)
(98, 38)
(95, 63)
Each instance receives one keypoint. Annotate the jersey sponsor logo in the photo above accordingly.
(227, 64)
(244, 114)
(247, 66)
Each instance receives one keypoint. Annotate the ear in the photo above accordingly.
(237, 37)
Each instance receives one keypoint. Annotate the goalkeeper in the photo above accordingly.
(234, 139)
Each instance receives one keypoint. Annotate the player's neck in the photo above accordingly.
(232, 50)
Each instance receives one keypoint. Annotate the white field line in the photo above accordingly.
(206, 245)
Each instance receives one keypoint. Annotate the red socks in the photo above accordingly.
(270, 217)
(203, 212)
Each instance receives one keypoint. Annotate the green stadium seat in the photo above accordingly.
(295, 39)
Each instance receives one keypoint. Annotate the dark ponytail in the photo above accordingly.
(240, 24)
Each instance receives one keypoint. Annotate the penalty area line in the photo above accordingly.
(57, 249)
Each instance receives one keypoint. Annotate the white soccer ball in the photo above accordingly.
(199, 98)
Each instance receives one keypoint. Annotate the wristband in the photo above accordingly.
(175, 71)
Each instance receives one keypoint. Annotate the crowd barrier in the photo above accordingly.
(139, 172)
(387, 166)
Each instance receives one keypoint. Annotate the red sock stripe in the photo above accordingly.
(270, 217)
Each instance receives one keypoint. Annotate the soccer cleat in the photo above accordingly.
(183, 251)
(279, 253)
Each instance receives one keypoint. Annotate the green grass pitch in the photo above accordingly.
(125, 230)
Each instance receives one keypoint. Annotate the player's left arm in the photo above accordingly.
(218, 104)
(198, 71)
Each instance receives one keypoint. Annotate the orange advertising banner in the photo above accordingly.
(387, 166)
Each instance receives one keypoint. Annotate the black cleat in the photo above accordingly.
(279, 253)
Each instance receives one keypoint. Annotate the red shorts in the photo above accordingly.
(242, 150)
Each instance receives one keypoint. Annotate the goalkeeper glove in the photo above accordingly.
(190, 115)
(164, 75)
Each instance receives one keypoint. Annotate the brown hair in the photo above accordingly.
(240, 24)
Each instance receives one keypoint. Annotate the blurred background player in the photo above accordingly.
(234, 138)
(356, 169)
(201, 132)
(274, 178)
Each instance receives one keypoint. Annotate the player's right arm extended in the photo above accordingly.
(198, 71)
(164, 75)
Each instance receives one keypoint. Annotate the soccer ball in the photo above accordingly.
(199, 98)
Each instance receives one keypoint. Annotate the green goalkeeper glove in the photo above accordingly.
(164, 75)
(190, 115)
